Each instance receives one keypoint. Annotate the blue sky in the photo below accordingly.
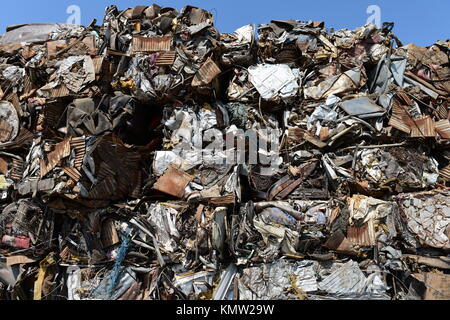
(418, 21)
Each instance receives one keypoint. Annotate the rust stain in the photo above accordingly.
(173, 182)
(437, 285)
(73, 173)
(54, 46)
(296, 134)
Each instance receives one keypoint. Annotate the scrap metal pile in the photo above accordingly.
(109, 189)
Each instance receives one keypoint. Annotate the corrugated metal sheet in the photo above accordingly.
(23, 137)
(111, 52)
(132, 160)
(62, 150)
(105, 171)
(142, 44)
(442, 111)
(105, 190)
(52, 116)
(17, 169)
(119, 173)
(166, 58)
(443, 128)
(28, 84)
(73, 173)
(137, 183)
(346, 280)
(59, 92)
(423, 127)
(445, 173)
(5, 131)
(173, 182)
(361, 235)
(206, 74)
(79, 146)
(399, 118)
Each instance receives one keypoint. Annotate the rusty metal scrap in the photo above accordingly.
(173, 182)
(61, 151)
(206, 74)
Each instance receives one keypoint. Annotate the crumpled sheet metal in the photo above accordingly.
(362, 209)
(349, 81)
(115, 141)
(271, 281)
(411, 169)
(273, 81)
(349, 279)
(238, 47)
(9, 122)
(75, 81)
(428, 217)
(35, 32)
(173, 182)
